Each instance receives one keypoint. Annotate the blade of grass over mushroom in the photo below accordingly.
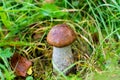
(61, 73)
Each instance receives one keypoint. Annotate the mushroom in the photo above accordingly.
(61, 37)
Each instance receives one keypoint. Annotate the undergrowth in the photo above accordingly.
(24, 25)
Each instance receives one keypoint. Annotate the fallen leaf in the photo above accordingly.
(29, 72)
(37, 35)
(95, 37)
(20, 64)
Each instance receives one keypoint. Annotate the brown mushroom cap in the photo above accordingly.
(61, 35)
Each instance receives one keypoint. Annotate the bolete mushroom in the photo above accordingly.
(61, 37)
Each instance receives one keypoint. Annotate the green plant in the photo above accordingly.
(5, 70)
(29, 78)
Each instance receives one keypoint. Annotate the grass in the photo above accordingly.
(24, 26)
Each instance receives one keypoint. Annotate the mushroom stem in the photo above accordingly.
(62, 58)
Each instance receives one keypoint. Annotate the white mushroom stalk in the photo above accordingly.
(62, 58)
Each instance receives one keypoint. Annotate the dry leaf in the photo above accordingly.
(20, 64)
(95, 37)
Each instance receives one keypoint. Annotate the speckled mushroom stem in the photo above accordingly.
(62, 58)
